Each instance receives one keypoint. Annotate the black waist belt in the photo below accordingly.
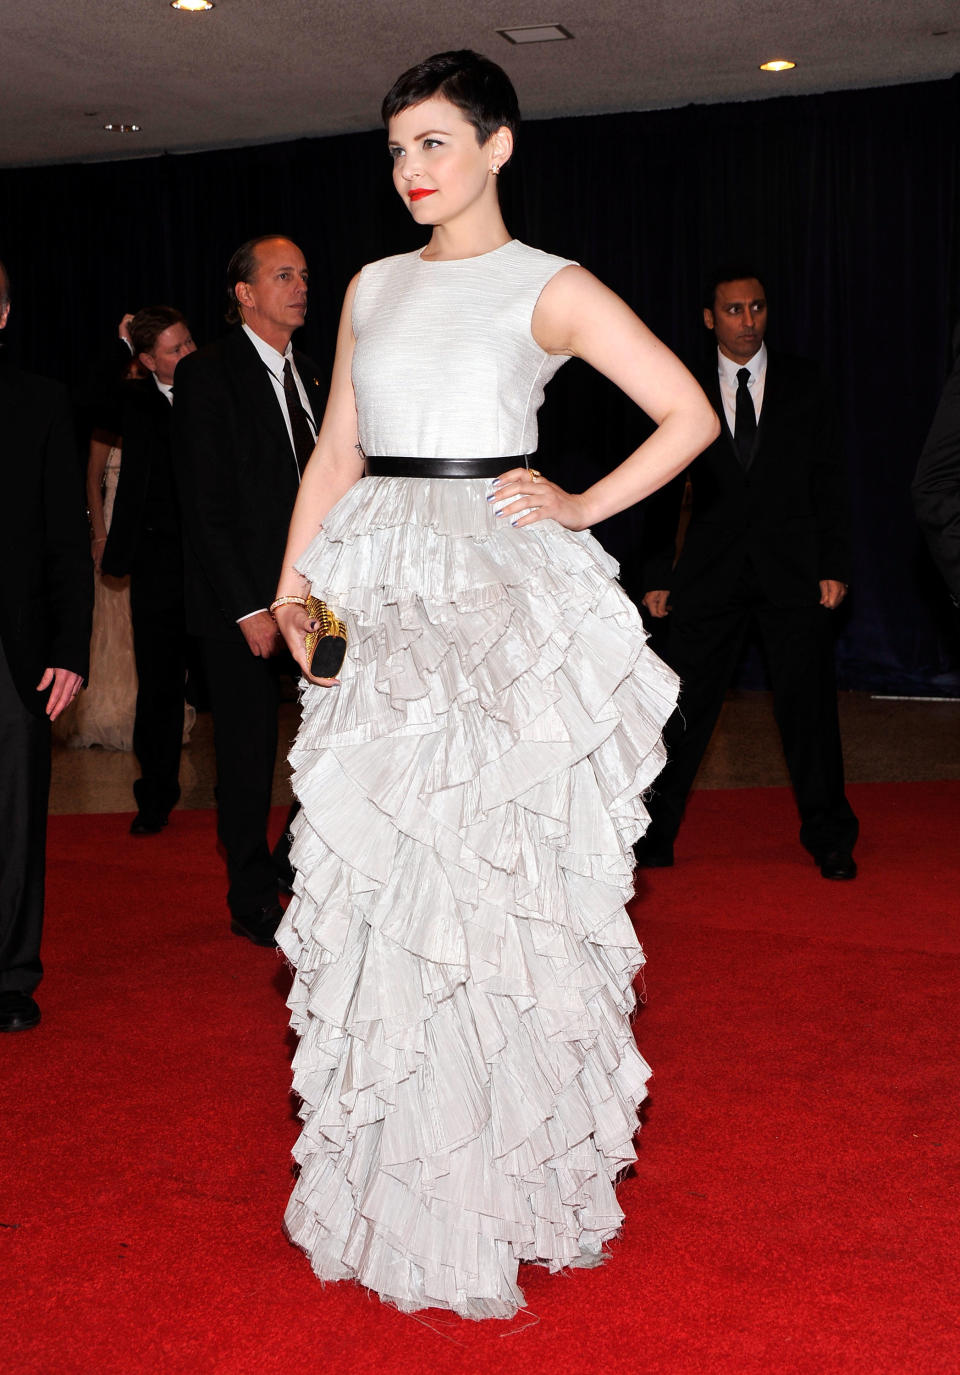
(379, 466)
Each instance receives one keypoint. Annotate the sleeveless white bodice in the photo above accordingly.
(445, 364)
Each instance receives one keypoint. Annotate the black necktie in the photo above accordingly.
(302, 436)
(745, 431)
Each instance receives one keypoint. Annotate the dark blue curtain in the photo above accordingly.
(849, 203)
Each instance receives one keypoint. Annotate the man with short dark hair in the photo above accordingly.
(145, 541)
(46, 605)
(766, 546)
(247, 414)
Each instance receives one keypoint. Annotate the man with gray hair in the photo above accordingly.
(46, 606)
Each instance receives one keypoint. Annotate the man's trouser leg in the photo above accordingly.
(244, 696)
(798, 642)
(24, 795)
(160, 647)
(702, 647)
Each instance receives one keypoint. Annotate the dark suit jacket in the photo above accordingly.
(936, 486)
(46, 573)
(145, 490)
(236, 478)
(786, 515)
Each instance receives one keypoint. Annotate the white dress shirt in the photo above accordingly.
(728, 369)
(164, 388)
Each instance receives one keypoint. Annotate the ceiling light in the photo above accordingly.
(535, 33)
(194, 5)
(122, 128)
(778, 64)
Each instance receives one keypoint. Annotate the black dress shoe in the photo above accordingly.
(258, 926)
(837, 864)
(143, 824)
(649, 853)
(18, 1012)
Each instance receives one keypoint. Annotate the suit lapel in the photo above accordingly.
(254, 378)
(710, 381)
(159, 408)
(768, 412)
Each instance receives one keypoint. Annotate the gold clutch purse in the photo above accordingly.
(326, 646)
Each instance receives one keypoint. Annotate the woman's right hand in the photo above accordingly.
(293, 623)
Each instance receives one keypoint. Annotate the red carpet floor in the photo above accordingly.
(795, 1207)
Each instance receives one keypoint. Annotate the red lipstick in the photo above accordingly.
(418, 193)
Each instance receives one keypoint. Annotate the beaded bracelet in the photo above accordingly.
(287, 601)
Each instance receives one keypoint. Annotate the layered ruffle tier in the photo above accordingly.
(463, 963)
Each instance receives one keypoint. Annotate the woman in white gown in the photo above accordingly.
(472, 785)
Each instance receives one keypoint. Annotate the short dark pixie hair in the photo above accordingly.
(732, 271)
(149, 323)
(480, 90)
(242, 267)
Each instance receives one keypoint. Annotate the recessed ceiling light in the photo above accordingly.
(535, 33)
(194, 5)
(122, 128)
(778, 64)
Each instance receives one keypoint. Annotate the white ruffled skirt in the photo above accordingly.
(463, 962)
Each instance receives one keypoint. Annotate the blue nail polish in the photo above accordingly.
(515, 520)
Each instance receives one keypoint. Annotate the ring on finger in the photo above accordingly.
(535, 474)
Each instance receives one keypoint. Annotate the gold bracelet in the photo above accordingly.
(287, 601)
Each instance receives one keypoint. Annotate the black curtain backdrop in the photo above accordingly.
(849, 203)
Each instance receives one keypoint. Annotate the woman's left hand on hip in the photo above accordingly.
(523, 496)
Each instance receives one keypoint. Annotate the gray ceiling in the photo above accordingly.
(250, 72)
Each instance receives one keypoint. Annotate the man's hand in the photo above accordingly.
(832, 593)
(66, 685)
(261, 634)
(656, 603)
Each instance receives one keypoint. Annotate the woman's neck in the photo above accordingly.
(467, 238)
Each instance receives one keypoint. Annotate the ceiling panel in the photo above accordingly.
(249, 72)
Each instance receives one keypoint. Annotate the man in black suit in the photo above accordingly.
(145, 541)
(46, 605)
(766, 545)
(936, 486)
(245, 420)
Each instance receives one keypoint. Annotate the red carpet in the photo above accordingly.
(795, 1207)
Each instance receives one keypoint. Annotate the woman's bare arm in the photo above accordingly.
(100, 448)
(334, 466)
(578, 316)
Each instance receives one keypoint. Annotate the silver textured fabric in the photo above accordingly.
(463, 960)
(445, 365)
